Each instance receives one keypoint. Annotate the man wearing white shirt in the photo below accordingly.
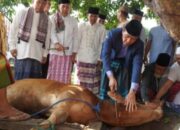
(101, 19)
(91, 35)
(172, 84)
(138, 15)
(64, 44)
(29, 40)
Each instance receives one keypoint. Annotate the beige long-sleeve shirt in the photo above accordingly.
(90, 38)
(31, 49)
(67, 37)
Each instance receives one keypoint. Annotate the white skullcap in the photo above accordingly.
(178, 50)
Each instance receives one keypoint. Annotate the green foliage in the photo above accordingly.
(7, 6)
(108, 7)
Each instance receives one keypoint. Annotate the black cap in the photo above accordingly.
(134, 28)
(63, 1)
(102, 16)
(138, 12)
(93, 10)
(163, 59)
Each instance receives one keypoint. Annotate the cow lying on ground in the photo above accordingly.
(75, 104)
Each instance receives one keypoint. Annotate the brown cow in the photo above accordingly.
(32, 95)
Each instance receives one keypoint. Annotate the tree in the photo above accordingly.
(108, 7)
(6, 7)
(167, 10)
(169, 14)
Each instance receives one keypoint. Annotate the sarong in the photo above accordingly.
(122, 77)
(27, 68)
(173, 91)
(89, 76)
(60, 68)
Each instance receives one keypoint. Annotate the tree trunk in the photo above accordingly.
(169, 13)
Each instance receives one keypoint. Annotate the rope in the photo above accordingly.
(96, 108)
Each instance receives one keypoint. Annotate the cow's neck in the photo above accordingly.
(108, 113)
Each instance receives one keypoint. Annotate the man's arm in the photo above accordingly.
(147, 48)
(47, 43)
(75, 40)
(146, 82)
(164, 89)
(106, 52)
(106, 58)
(75, 36)
(13, 34)
(130, 101)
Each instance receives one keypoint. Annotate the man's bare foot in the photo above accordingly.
(11, 114)
(116, 97)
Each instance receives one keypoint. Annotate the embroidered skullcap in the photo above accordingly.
(138, 12)
(93, 10)
(134, 28)
(64, 1)
(102, 16)
(178, 50)
(163, 59)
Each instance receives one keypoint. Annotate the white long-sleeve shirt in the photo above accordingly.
(67, 37)
(31, 49)
(90, 38)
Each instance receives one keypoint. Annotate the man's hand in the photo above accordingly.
(130, 101)
(73, 57)
(59, 47)
(44, 59)
(14, 52)
(99, 65)
(145, 61)
(112, 83)
(151, 105)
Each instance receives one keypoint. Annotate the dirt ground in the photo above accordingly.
(170, 121)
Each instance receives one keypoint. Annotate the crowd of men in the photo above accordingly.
(37, 38)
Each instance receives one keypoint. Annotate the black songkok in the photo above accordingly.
(163, 59)
(64, 1)
(138, 12)
(93, 10)
(134, 28)
(102, 16)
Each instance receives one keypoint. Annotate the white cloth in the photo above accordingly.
(90, 38)
(122, 24)
(67, 38)
(177, 99)
(178, 51)
(143, 35)
(31, 49)
(174, 73)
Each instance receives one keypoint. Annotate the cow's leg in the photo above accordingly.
(57, 116)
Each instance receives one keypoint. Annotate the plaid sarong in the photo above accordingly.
(173, 91)
(6, 77)
(27, 68)
(89, 76)
(26, 25)
(122, 77)
(60, 68)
